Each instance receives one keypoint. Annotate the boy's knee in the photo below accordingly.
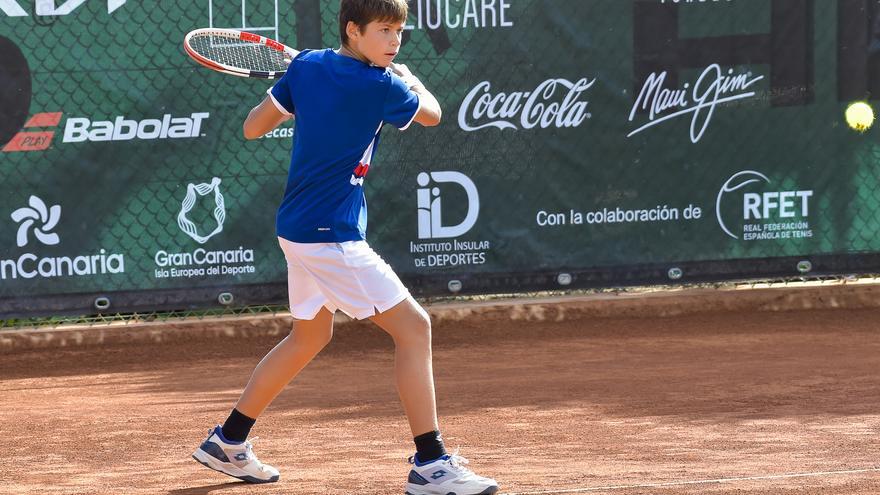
(324, 338)
(314, 339)
(422, 326)
(425, 322)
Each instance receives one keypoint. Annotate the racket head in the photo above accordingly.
(238, 53)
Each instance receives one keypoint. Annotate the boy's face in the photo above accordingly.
(378, 43)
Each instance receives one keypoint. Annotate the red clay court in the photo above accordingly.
(721, 392)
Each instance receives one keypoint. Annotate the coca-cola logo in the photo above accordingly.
(554, 103)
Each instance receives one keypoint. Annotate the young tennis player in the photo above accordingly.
(341, 99)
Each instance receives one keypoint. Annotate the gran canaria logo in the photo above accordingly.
(186, 206)
(36, 211)
(39, 221)
(200, 262)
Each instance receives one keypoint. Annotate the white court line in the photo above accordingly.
(701, 482)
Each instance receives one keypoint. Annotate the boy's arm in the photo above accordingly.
(429, 113)
(263, 118)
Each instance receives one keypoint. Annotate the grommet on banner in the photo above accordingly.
(454, 286)
(102, 303)
(804, 266)
(225, 298)
(675, 273)
(564, 279)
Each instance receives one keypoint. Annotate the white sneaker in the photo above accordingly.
(236, 460)
(447, 476)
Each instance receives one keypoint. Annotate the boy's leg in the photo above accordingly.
(410, 327)
(284, 362)
(434, 472)
(226, 449)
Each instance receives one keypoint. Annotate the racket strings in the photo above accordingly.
(237, 53)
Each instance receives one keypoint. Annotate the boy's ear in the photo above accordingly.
(352, 29)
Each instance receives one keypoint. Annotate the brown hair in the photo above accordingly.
(363, 12)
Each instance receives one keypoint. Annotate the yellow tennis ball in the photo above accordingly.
(860, 116)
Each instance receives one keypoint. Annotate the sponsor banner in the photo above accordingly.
(659, 132)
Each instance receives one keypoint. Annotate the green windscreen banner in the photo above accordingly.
(583, 143)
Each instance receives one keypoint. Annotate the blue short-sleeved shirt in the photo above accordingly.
(340, 104)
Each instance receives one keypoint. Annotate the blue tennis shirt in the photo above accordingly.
(340, 105)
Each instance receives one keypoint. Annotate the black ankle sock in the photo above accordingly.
(237, 426)
(429, 446)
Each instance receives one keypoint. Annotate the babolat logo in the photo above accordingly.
(35, 140)
(36, 225)
(751, 208)
(79, 129)
(39, 130)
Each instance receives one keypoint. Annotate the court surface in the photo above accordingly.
(712, 403)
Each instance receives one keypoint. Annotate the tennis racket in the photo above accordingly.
(238, 53)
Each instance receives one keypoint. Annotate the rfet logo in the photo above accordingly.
(751, 208)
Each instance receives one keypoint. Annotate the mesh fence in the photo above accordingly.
(584, 143)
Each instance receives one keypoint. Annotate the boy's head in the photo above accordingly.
(372, 28)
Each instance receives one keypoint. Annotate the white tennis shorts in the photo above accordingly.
(348, 276)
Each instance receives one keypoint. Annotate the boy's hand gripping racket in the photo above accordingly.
(239, 53)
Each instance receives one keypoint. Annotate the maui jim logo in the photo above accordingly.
(12, 8)
(554, 103)
(711, 89)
